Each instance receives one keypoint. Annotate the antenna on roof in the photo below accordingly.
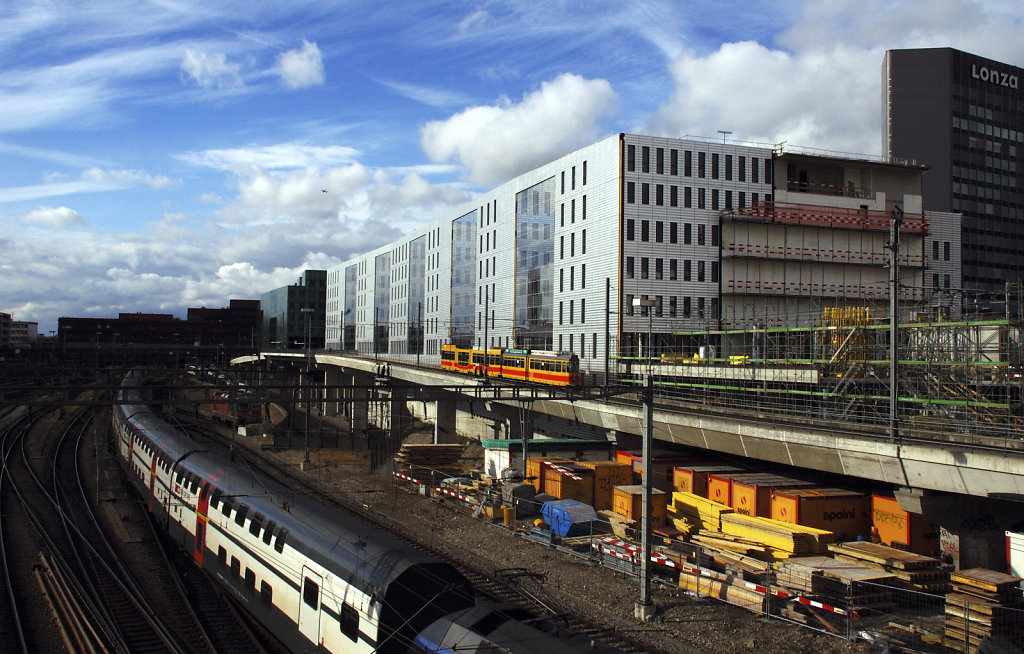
(724, 133)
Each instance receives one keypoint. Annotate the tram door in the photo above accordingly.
(202, 512)
(309, 606)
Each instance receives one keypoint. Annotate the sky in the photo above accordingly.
(165, 154)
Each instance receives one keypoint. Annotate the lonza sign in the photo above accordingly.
(992, 75)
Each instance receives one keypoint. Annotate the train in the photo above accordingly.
(538, 366)
(235, 410)
(319, 580)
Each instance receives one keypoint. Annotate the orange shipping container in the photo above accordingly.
(845, 513)
(752, 494)
(569, 482)
(903, 529)
(629, 502)
(694, 479)
(607, 475)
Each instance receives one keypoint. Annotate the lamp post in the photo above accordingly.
(644, 609)
(306, 311)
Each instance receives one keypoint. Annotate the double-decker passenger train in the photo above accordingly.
(538, 366)
(319, 580)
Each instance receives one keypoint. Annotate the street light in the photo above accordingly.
(306, 311)
(644, 609)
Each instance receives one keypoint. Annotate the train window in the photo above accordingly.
(254, 525)
(227, 506)
(281, 537)
(240, 515)
(236, 567)
(250, 580)
(311, 593)
(215, 500)
(349, 622)
(266, 593)
(222, 555)
(269, 532)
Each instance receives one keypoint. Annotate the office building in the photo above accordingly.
(293, 315)
(963, 117)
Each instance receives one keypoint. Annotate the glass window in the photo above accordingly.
(673, 162)
(311, 593)
(348, 621)
(645, 159)
(630, 192)
(631, 158)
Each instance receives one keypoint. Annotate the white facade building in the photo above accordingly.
(554, 258)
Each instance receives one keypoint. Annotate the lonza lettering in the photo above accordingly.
(838, 515)
(986, 74)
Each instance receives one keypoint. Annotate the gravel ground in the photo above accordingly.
(683, 622)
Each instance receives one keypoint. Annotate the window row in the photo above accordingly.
(726, 166)
(659, 272)
(571, 304)
(672, 306)
(572, 244)
(572, 210)
(720, 198)
(673, 232)
(572, 177)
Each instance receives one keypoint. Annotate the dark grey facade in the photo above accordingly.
(962, 116)
(285, 324)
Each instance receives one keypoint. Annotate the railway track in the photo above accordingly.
(517, 586)
(120, 593)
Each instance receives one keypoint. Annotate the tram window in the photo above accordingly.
(349, 622)
(266, 593)
(279, 543)
(269, 532)
(311, 593)
(240, 515)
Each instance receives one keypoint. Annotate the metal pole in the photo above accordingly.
(644, 609)
(894, 292)
(305, 459)
(419, 331)
(607, 330)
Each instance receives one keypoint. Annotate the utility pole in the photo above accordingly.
(894, 303)
(306, 311)
(644, 609)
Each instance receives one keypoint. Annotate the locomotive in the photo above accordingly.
(538, 366)
(319, 580)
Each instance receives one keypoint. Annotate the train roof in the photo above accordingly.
(346, 546)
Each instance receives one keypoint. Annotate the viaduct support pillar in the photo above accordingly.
(444, 421)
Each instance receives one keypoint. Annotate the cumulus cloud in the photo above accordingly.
(210, 70)
(302, 67)
(56, 217)
(496, 142)
(828, 100)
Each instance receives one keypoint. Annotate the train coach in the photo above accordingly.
(320, 581)
(537, 366)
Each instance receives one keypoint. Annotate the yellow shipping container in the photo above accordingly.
(535, 469)
(843, 512)
(569, 482)
(607, 475)
(628, 502)
(694, 478)
(752, 494)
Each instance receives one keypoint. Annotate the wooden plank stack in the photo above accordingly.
(726, 586)
(784, 539)
(914, 571)
(847, 584)
(696, 511)
(442, 460)
(984, 604)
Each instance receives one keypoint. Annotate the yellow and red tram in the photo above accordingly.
(538, 366)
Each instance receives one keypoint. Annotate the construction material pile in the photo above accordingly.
(913, 571)
(430, 463)
(984, 605)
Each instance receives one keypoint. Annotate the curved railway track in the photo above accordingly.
(118, 593)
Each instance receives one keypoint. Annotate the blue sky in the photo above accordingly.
(161, 155)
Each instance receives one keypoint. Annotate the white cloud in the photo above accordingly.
(127, 178)
(281, 156)
(496, 142)
(302, 67)
(211, 70)
(827, 100)
(57, 217)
